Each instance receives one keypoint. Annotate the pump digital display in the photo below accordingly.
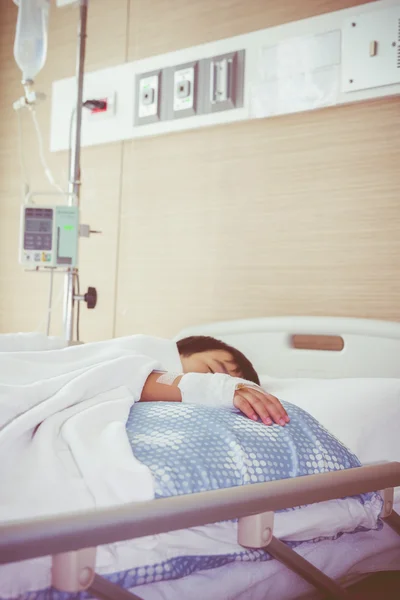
(38, 229)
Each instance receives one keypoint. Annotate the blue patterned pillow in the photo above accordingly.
(196, 448)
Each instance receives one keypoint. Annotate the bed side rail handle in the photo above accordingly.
(256, 531)
(388, 502)
(73, 571)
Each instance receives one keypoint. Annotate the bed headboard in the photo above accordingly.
(314, 347)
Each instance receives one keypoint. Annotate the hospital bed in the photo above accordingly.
(313, 351)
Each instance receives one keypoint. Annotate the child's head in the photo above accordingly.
(203, 354)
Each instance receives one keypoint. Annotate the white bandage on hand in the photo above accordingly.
(168, 378)
(211, 389)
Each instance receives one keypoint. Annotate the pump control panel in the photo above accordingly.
(49, 236)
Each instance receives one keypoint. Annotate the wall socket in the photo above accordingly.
(195, 88)
(183, 89)
(149, 101)
(109, 112)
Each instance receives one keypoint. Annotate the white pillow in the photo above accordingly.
(364, 414)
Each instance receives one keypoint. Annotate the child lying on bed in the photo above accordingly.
(216, 374)
(198, 370)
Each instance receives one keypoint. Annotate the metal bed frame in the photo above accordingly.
(71, 540)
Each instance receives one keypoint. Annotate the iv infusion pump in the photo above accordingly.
(49, 236)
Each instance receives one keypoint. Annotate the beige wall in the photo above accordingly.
(293, 215)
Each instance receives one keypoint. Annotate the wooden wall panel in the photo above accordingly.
(294, 215)
(159, 26)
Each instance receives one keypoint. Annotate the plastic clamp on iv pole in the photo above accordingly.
(73, 571)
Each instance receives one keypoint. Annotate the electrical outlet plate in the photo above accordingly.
(183, 90)
(371, 50)
(114, 83)
(149, 102)
(224, 87)
(110, 97)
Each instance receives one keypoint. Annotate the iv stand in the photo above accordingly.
(75, 170)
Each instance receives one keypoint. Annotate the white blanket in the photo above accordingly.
(62, 426)
(27, 342)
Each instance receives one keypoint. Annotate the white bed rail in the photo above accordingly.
(42, 537)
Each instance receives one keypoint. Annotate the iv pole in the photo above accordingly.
(23, 43)
(74, 184)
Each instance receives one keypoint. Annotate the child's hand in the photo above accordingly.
(254, 403)
(220, 389)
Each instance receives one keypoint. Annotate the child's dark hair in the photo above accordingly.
(201, 343)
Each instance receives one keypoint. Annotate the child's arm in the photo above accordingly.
(252, 401)
(154, 391)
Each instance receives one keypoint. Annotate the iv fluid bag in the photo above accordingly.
(30, 46)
